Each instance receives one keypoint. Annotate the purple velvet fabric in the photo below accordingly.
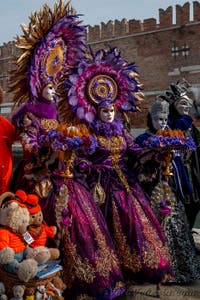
(40, 109)
(128, 214)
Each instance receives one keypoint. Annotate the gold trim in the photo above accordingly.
(102, 89)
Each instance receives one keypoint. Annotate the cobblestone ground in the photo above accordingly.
(171, 292)
(175, 292)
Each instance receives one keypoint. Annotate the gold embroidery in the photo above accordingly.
(105, 259)
(156, 249)
(130, 260)
(61, 202)
(161, 192)
(114, 145)
(43, 188)
(73, 265)
(49, 124)
(150, 254)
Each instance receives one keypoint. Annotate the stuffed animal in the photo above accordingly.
(30, 293)
(3, 296)
(14, 218)
(55, 288)
(41, 293)
(38, 230)
(18, 292)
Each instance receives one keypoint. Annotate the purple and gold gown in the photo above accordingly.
(139, 239)
(90, 265)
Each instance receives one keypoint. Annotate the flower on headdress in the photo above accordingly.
(104, 75)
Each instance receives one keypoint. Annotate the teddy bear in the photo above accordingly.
(55, 287)
(15, 254)
(18, 292)
(30, 293)
(14, 219)
(38, 230)
(3, 296)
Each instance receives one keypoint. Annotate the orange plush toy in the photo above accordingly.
(7, 137)
(38, 230)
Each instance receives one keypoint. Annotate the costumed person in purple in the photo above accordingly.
(179, 118)
(90, 265)
(164, 193)
(106, 86)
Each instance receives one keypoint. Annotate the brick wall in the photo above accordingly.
(163, 51)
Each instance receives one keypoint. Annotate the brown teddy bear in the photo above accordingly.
(38, 230)
(30, 293)
(14, 219)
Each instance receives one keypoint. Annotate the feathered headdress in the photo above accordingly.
(99, 76)
(161, 105)
(53, 42)
(178, 91)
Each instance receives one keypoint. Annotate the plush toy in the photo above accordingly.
(3, 296)
(30, 293)
(14, 218)
(41, 293)
(18, 292)
(38, 230)
(55, 287)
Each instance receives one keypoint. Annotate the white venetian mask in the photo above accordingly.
(49, 92)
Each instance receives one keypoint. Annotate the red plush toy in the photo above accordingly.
(38, 230)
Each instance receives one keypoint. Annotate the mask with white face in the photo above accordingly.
(159, 121)
(159, 112)
(107, 114)
(48, 92)
(183, 105)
